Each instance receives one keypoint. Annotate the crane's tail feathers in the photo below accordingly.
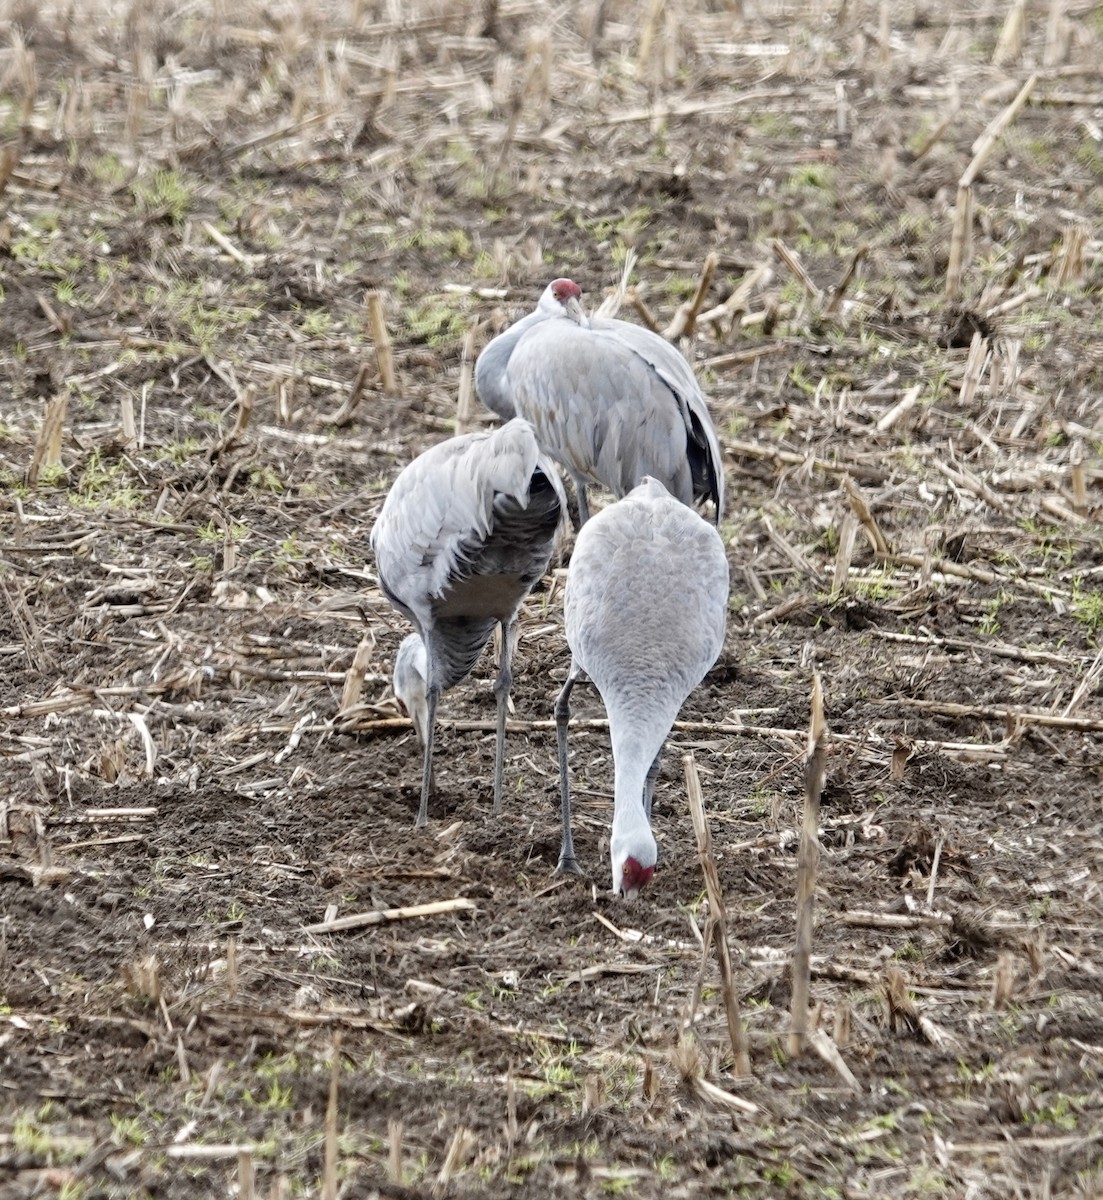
(705, 463)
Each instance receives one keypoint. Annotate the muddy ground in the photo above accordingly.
(199, 198)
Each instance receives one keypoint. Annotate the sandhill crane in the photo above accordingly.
(646, 602)
(610, 401)
(465, 532)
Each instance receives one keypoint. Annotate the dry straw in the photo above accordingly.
(685, 319)
(47, 445)
(808, 859)
(329, 1176)
(354, 677)
(961, 236)
(1010, 42)
(384, 353)
(717, 928)
(465, 397)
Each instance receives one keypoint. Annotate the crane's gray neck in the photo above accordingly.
(628, 810)
(631, 833)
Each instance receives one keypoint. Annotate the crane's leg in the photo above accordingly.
(650, 781)
(422, 739)
(568, 864)
(432, 695)
(501, 693)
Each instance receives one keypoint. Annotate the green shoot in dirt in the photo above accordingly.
(128, 1130)
(103, 483)
(265, 479)
(1087, 607)
(437, 321)
(164, 195)
(29, 1138)
(1058, 1113)
(989, 623)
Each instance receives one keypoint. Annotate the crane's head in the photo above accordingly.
(564, 290)
(634, 861)
(411, 685)
(633, 877)
(563, 298)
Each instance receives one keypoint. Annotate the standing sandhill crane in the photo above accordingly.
(610, 401)
(646, 602)
(465, 532)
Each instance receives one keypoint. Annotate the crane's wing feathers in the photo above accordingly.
(599, 409)
(671, 367)
(439, 514)
(613, 402)
(664, 359)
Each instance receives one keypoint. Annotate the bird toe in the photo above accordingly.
(569, 866)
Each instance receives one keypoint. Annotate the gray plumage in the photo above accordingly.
(610, 401)
(492, 381)
(465, 532)
(646, 604)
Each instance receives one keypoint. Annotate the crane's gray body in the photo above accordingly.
(646, 606)
(465, 532)
(610, 401)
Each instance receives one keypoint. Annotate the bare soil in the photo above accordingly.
(198, 198)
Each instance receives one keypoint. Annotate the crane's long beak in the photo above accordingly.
(575, 311)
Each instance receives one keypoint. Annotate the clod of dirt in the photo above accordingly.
(774, 990)
(916, 852)
(966, 938)
(958, 327)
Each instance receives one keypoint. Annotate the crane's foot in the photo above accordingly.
(568, 865)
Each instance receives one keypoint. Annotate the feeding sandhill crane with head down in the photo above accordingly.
(645, 607)
(464, 533)
(610, 401)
